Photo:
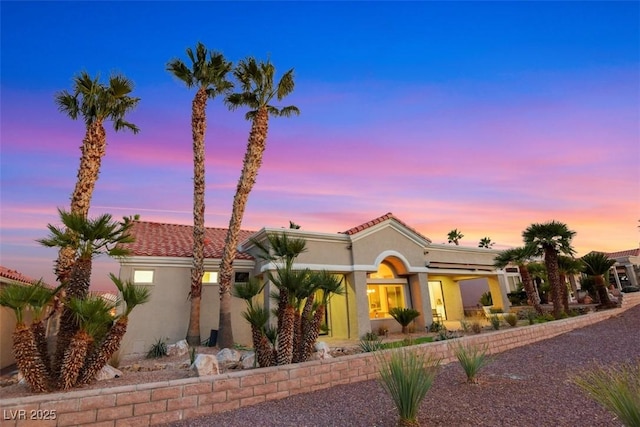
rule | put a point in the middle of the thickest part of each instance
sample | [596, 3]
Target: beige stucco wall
[367, 249]
[166, 315]
[7, 326]
[457, 254]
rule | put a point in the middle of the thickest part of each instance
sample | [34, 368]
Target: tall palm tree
[520, 257]
[596, 265]
[550, 239]
[131, 297]
[258, 89]
[89, 238]
[208, 74]
[454, 236]
[96, 103]
[485, 242]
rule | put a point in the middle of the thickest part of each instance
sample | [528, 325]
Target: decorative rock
[322, 351]
[178, 349]
[206, 364]
[227, 356]
[108, 372]
[248, 360]
[322, 346]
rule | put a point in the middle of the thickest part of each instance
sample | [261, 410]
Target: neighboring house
[7, 316]
[384, 263]
[626, 270]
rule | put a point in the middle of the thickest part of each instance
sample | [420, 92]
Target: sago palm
[258, 89]
[95, 103]
[596, 265]
[207, 73]
[131, 296]
[550, 239]
[520, 257]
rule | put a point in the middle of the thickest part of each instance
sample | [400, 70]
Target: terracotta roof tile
[176, 240]
[628, 252]
[16, 276]
[378, 220]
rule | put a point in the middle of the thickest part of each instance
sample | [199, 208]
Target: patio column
[631, 274]
[420, 300]
[359, 279]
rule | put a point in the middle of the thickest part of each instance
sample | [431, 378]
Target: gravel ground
[528, 386]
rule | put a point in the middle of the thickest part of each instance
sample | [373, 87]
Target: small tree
[485, 242]
[596, 265]
[404, 316]
[454, 236]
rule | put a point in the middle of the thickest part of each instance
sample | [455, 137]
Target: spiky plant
[93, 316]
[25, 350]
[258, 318]
[404, 316]
[617, 388]
[472, 359]
[131, 296]
[407, 377]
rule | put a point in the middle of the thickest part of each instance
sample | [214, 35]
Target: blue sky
[480, 116]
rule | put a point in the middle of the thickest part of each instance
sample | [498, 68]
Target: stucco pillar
[502, 282]
[616, 277]
[631, 274]
[420, 300]
[359, 279]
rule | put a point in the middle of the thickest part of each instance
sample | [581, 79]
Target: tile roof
[15, 276]
[175, 240]
[628, 252]
[378, 220]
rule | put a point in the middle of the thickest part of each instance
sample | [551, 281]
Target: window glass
[143, 276]
[383, 298]
[210, 277]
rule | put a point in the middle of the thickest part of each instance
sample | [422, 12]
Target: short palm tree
[88, 238]
[596, 265]
[520, 257]
[454, 236]
[131, 296]
[26, 349]
[96, 103]
[208, 74]
[258, 89]
[550, 239]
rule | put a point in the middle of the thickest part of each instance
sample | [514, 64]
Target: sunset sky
[485, 117]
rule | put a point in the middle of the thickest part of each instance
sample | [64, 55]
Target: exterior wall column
[631, 274]
[502, 281]
[359, 279]
[420, 300]
[615, 275]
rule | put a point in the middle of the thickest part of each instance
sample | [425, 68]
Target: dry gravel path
[528, 386]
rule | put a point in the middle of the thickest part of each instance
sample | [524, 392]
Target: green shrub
[159, 349]
[436, 326]
[486, 299]
[404, 316]
[407, 377]
[472, 359]
[445, 334]
[495, 322]
[511, 319]
[476, 327]
[531, 316]
[466, 326]
[496, 310]
[370, 342]
[547, 317]
[616, 388]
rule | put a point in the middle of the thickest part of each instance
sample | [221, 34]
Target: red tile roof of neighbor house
[175, 240]
[16, 276]
[628, 252]
[378, 220]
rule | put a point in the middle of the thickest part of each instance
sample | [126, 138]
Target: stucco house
[626, 270]
[383, 263]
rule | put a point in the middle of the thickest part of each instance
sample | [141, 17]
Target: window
[210, 277]
[241, 277]
[382, 298]
[143, 276]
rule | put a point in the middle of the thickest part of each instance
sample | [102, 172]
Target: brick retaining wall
[167, 401]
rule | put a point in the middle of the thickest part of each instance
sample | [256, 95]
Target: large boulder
[228, 356]
[206, 364]
[248, 360]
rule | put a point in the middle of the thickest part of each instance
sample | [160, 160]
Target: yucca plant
[404, 316]
[472, 359]
[407, 377]
[158, 349]
[617, 388]
[370, 342]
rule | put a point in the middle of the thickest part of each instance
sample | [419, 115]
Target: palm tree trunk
[28, 359]
[100, 355]
[74, 359]
[198, 129]
[93, 149]
[285, 337]
[529, 288]
[262, 347]
[40, 338]
[564, 291]
[250, 167]
[551, 262]
[603, 295]
[313, 332]
[306, 324]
